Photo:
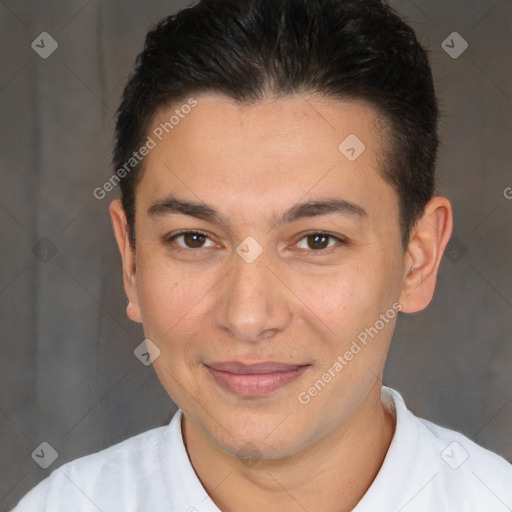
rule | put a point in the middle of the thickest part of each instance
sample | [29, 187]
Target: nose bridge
[252, 305]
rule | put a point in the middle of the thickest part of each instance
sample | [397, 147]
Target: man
[276, 161]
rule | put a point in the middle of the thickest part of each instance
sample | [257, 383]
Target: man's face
[215, 306]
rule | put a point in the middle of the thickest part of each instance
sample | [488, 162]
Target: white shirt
[427, 468]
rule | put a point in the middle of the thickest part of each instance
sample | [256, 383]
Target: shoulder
[477, 470]
[457, 449]
[457, 473]
[90, 480]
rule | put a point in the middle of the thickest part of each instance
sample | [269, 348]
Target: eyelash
[169, 239]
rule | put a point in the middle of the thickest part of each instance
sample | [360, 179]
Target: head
[298, 138]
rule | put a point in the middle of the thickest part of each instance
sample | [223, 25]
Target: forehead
[296, 125]
[267, 151]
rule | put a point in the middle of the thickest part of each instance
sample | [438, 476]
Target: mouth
[254, 380]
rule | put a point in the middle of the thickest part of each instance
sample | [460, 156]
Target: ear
[121, 232]
[427, 243]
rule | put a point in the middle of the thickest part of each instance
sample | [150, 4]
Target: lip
[254, 380]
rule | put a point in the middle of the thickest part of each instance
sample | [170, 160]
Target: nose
[253, 304]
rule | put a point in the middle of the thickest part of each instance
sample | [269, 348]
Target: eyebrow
[173, 205]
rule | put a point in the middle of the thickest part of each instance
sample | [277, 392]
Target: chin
[259, 438]
[253, 449]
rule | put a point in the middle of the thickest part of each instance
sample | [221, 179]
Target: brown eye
[194, 240]
[319, 241]
[189, 240]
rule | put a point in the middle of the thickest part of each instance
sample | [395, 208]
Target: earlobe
[133, 313]
[121, 233]
[427, 244]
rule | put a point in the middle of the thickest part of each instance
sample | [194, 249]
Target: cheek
[345, 302]
[335, 303]
[169, 299]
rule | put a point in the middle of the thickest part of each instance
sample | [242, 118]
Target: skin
[302, 301]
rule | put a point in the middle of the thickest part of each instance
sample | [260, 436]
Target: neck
[331, 475]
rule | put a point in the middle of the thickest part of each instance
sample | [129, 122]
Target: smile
[254, 380]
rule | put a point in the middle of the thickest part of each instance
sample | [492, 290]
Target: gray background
[68, 375]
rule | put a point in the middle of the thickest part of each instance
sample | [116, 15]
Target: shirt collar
[186, 492]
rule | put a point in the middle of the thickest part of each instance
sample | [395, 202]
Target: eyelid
[172, 237]
[167, 239]
[339, 238]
